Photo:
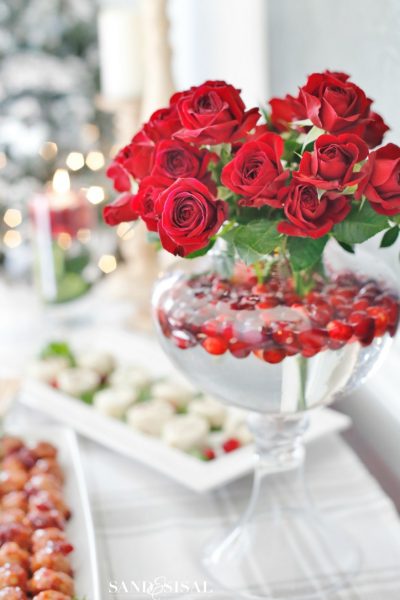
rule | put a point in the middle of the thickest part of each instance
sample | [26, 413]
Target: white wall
[221, 39]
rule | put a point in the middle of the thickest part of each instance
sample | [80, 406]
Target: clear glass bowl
[277, 353]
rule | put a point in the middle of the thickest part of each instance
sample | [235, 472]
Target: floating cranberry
[259, 288]
[239, 349]
[337, 330]
[268, 301]
[231, 444]
[183, 339]
[360, 304]
[381, 319]
[273, 356]
[215, 345]
[392, 307]
[312, 341]
[364, 327]
[320, 313]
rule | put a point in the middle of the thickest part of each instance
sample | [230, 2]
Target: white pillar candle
[120, 49]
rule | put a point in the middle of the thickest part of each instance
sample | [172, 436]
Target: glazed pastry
[114, 401]
[16, 532]
[47, 579]
[12, 480]
[48, 500]
[15, 500]
[133, 377]
[210, 409]
[11, 553]
[51, 595]
[76, 382]
[150, 417]
[12, 515]
[46, 558]
[42, 482]
[22, 458]
[51, 538]
[45, 450]
[49, 466]
[101, 362]
[47, 370]
[186, 432]
[176, 393]
[42, 519]
[13, 575]
[13, 593]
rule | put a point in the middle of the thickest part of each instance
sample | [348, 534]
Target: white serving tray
[80, 530]
[184, 468]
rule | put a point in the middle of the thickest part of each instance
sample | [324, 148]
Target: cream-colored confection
[235, 426]
[210, 409]
[76, 381]
[176, 393]
[150, 417]
[48, 369]
[135, 377]
[101, 362]
[186, 432]
[114, 401]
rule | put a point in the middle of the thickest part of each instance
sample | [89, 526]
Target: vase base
[283, 555]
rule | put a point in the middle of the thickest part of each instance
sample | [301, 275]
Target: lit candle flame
[61, 181]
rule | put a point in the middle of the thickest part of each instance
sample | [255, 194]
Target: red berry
[267, 302]
[183, 339]
[231, 445]
[360, 305]
[215, 345]
[259, 288]
[283, 335]
[208, 454]
[338, 330]
[381, 319]
[239, 349]
[364, 327]
[274, 356]
[312, 341]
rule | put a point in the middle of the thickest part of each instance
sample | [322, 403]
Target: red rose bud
[375, 129]
[190, 216]
[285, 110]
[121, 210]
[174, 159]
[335, 104]
[231, 444]
[381, 182]
[256, 172]
[310, 216]
[134, 160]
[331, 165]
[213, 113]
[162, 124]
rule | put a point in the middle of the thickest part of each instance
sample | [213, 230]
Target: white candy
[47, 370]
[113, 402]
[210, 409]
[236, 427]
[101, 362]
[77, 381]
[185, 432]
[176, 393]
[135, 377]
[150, 417]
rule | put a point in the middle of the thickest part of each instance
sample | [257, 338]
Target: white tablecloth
[149, 528]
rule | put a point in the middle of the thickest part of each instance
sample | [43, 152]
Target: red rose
[190, 216]
[144, 202]
[310, 216]
[375, 129]
[121, 210]
[134, 160]
[381, 183]
[330, 166]
[285, 110]
[162, 124]
[175, 159]
[335, 104]
[214, 113]
[256, 172]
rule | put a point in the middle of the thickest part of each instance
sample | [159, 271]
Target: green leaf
[346, 247]
[254, 240]
[202, 251]
[361, 224]
[58, 349]
[312, 135]
[305, 252]
[390, 237]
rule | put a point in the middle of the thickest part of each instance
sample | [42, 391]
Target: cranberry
[239, 349]
[259, 288]
[312, 341]
[320, 313]
[208, 454]
[283, 334]
[183, 339]
[268, 302]
[337, 330]
[364, 327]
[381, 319]
[360, 304]
[231, 444]
[392, 308]
[273, 356]
[215, 345]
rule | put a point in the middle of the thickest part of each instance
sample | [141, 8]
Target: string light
[12, 238]
[95, 194]
[95, 160]
[75, 161]
[3, 160]
[12, 217]
[125, 231]
[61, 181]
[84, 235]
[107, 263]
[48, 151]
[64, 240]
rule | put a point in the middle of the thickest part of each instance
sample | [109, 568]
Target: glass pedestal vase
[282, 548]
[279, 349]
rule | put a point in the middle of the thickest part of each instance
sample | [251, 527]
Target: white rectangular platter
[184, 468]
[80, 530]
